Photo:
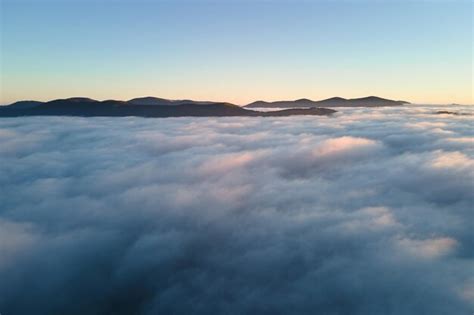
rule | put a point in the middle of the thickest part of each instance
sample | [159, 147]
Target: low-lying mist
[367, 212]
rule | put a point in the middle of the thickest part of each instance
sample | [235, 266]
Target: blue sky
[237, 51]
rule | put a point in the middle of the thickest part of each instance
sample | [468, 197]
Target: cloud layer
[368, 212]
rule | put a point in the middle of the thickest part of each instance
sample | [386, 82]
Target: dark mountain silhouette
[370, 101]
[25, 104]
[86, 107]
[150, 100]
[448, 112]
[80, 100]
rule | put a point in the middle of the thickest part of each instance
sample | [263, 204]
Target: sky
[237, 51]
[367, 212]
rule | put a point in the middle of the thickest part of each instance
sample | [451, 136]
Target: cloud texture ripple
[368, 212]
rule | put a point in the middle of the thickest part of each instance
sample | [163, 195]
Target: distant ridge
[150, 106]
[25, 104]
[143, 107]
[153, 101]
[369, 101]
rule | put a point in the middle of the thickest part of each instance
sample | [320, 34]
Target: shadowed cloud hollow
[368, 212]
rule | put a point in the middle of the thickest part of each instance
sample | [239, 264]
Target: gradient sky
[237, 51]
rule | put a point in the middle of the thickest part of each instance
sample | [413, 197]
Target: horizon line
[238, 104]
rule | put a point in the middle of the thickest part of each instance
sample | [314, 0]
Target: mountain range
[143, 107]
[160, 107]
[370, 101]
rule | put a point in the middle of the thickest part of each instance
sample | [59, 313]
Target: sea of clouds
[367, 212]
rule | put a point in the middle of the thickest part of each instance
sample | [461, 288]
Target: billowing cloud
[429, 248]
[367, 212]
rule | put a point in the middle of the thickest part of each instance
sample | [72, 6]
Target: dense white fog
[367, 212]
